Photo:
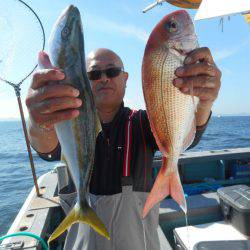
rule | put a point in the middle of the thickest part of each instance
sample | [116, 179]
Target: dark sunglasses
[110, 73]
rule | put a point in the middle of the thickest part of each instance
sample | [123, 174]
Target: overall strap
[127, 149]
[145, 154]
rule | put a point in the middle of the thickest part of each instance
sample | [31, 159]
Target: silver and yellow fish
[77, 137]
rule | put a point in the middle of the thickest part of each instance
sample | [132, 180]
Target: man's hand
[49, 103]
[200, 74]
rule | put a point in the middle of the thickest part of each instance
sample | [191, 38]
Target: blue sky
[122, 27]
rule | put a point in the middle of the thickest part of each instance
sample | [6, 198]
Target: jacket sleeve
[199, 132]
[54, 155]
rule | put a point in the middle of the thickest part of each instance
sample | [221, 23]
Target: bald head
[102, 58]
[108, 90]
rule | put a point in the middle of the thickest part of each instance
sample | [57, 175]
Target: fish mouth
[181, 51]
[70, 9]
[184, 46]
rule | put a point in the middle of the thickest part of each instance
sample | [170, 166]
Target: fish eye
[171, 26]
[65, 32]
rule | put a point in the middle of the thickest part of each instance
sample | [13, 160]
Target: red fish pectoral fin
[165, 185]
[190, 136]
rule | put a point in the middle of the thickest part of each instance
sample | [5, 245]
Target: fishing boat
[202, 173]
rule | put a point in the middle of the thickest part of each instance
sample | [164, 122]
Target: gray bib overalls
[121, 213]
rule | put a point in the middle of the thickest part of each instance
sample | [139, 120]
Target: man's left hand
[200, 73]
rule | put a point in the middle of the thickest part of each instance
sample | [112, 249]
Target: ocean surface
[16, 178]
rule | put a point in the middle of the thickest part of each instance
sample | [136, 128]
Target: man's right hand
[48, 103]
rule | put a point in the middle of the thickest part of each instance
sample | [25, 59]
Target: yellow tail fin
[77, 215]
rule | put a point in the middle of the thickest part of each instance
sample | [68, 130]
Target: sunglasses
[110, 73]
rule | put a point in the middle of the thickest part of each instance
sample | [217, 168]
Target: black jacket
[107, 171]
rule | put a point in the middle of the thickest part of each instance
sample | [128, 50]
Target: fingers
[43, 77]
[53, 100]
[198, 62]
[202, 81]
[200, 74]
[44, 60]
[51, 91]
[204, 94]
[53, 110]
[53, 118]
[57, 104]
[47, 72]
[47, 101]
[205, 87]
[200, 54]
[202, 68]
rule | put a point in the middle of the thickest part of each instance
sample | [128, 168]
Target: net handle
[18, 95]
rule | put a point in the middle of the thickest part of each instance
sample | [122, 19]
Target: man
[118, 186]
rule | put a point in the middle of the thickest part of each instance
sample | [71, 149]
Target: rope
[43, 243]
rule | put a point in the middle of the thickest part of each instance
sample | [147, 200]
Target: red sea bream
[171, 113]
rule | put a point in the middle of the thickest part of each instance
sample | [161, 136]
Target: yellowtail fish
[171, 113]
[77, 137]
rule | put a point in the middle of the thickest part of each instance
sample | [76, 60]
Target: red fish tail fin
[160, 189]
[176, 191]
[165, 184]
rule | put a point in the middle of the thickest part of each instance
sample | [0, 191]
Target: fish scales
[162, 67]
[170, 112]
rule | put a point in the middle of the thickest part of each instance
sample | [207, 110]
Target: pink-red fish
[171, 113]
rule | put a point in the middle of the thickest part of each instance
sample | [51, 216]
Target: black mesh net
[21, 38]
